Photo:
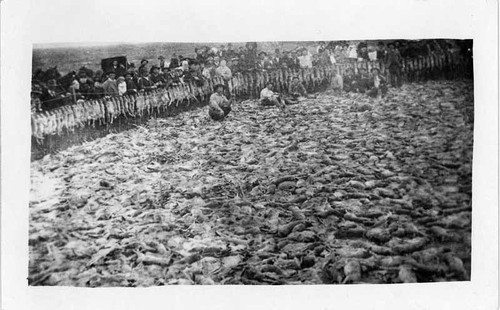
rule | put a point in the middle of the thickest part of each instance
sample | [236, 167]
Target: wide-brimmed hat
[144, 60]
[161, 57]
[36, 89]
[110, 72]
[219, 85]
[131, 65]
[262, 53]
[375, 68]
[120, 78]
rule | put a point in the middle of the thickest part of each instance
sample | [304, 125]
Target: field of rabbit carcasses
[338, 189]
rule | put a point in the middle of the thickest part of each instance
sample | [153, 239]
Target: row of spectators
[225, 61]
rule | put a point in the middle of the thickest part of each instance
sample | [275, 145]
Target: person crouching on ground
[269, 98]
[378, 84]
[363, 81]
[349, 80]
[296, 90]
[219, 106]
[337, 82]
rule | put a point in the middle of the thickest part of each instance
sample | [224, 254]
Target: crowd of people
[226, 60]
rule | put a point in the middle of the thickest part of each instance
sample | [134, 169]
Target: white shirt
[266, 93]
[122, 88]
[332, 58]
[352, 52]
[225, 72]
[217, 101]
[372, 55]
[305, 61]
[206, 73]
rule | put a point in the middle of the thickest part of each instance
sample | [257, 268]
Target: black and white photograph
[331, 162]
[327, 161]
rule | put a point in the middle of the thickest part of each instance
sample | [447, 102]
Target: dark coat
[174, 63]
[131, 86]
[156, 79]
[144, 84]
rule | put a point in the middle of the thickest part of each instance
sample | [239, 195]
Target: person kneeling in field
[337, 82]
[378, 84]
[269, 98]
[296, 90]
[219, 106]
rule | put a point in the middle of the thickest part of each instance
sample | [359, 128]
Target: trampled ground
[338, 189]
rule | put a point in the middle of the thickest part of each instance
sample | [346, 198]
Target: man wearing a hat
[269, 98]
[133, 72]
[362, 51]
[86, 84]
[174, 62]
[51, 94]
[235, 65]
[130, 84]
[144, 65]
[110, 86]
[285, 60]
[305, 59]
[296, 88]
[155, 77]
[337, 82]
[349, 80]
[162, 62]
[251, 54]
[264, 63]
[230, 53]
[201, 56]
[119, 69]
[393, 62]
[362, 80]
[381, 51]
[194, 75]
[36, 103]
[224, 71]
[144, 83]
[378, 85]
[294, 62]
[219, 106]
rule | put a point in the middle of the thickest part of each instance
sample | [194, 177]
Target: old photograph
[253, 163]
[248, 155]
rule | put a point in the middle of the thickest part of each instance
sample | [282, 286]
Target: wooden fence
[86, 120]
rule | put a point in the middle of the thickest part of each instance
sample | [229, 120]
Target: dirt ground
[336, 189]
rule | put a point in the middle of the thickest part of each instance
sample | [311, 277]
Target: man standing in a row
[110, 86]
[393, 63]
